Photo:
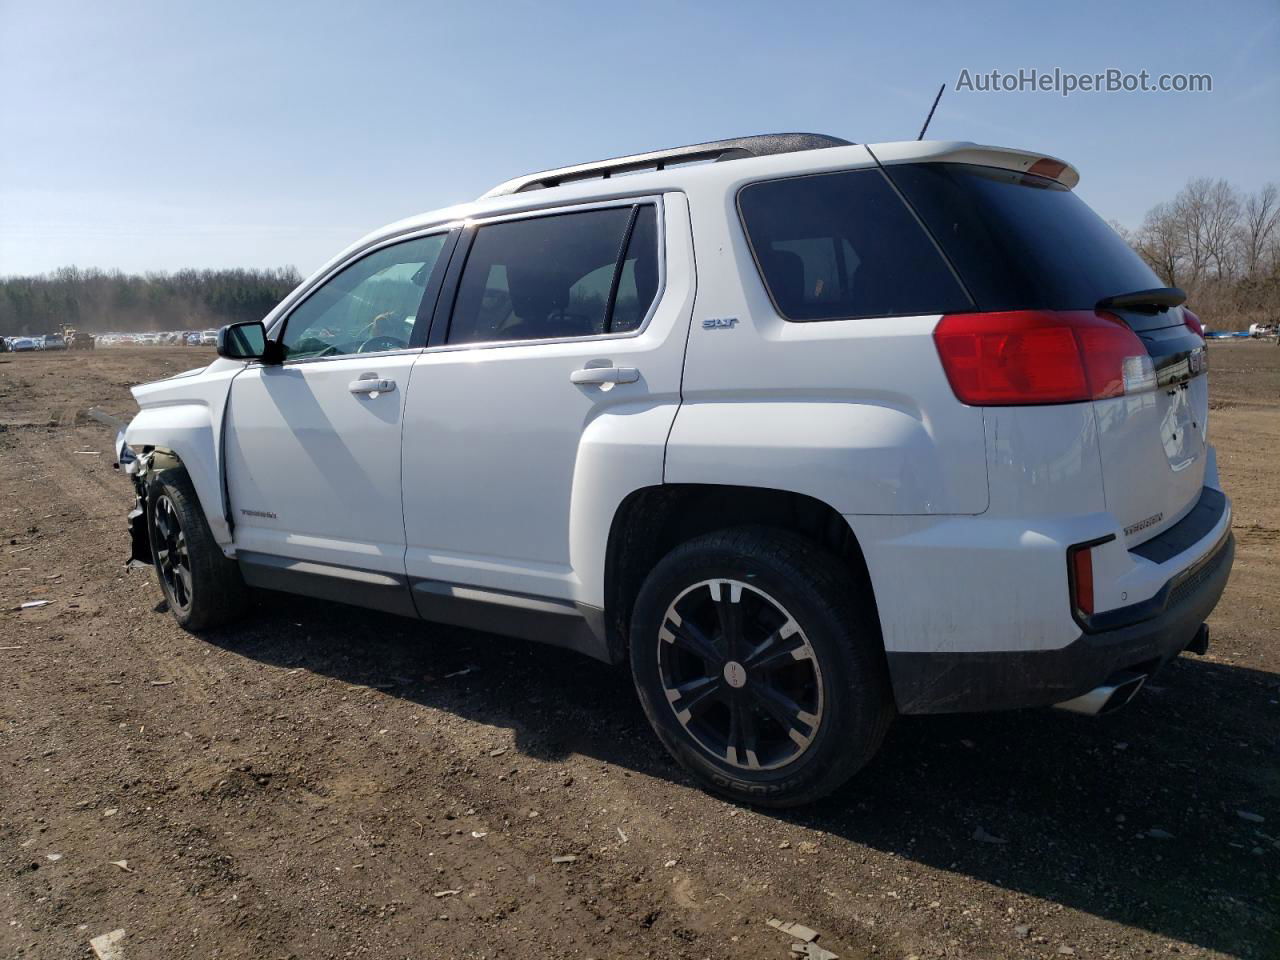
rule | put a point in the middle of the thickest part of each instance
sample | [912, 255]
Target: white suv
[811, 436]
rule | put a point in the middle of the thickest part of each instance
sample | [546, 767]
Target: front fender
[187, 432]
[184, 416]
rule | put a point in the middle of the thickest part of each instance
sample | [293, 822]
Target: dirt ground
[323, 782]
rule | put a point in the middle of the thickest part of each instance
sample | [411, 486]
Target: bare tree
[1161, 242]
[1258, 227]
[1208, 212]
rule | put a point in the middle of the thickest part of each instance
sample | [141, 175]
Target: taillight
[1047, 167]
[1080, 563]
[1193, 323]
[1028, 357]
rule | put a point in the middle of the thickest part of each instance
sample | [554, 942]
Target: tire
[202, 586]
[775, 725]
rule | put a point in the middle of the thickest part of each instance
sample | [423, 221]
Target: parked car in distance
[209, 338]
[25, 344]
[54, 341]
[931, 438]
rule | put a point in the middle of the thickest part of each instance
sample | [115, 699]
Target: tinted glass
[541, 278]
[843, 245]
[1021, 242]
[368, 307]
[638, 282]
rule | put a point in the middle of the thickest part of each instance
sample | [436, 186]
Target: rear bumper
[946, 682]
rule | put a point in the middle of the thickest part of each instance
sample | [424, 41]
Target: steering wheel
[375, 344]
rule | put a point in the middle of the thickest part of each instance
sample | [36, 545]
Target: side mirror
[243, 341]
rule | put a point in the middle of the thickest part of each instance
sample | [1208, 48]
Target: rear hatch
[1021, 242]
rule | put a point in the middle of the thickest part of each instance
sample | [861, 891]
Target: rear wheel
[759, 664]
[202, 586]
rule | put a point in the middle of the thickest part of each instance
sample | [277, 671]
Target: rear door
[556, 352]
[1024, 242]
[313, 443]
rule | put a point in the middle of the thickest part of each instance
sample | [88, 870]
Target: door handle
[371, 384]
[605, 375]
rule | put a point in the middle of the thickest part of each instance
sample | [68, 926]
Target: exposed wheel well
[651, 522]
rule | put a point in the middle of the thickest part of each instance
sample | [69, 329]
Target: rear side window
[1021, 242]
[842, 245]
[553, 277]
[638, 279]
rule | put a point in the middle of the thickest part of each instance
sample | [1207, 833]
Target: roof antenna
[931, 109]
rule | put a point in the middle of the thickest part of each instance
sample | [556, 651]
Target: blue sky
[161, 135]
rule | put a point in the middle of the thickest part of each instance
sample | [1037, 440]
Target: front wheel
[758, 661]
[202, 587]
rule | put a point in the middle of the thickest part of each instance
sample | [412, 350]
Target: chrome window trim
[400, 351]
[276, 330]
[660, 229]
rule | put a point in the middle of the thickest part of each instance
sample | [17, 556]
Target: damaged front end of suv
[140, 467]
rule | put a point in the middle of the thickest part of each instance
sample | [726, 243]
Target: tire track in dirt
[312, 776]
[488, 892]
[103, 505]
[82, 486]
[72, 491]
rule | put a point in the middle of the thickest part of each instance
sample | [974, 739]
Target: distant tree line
[99, 301]
[1220, 245]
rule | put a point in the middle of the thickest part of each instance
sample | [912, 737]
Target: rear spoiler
[959, 151]
[1154, 300]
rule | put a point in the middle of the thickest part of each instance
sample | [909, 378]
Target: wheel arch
[651, 521]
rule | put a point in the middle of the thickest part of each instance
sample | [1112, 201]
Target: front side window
[367, 307]
[565, 275]
[841, 245]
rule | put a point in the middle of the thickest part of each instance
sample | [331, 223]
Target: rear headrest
[536, 293]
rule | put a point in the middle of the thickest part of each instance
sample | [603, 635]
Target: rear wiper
[1148, 301]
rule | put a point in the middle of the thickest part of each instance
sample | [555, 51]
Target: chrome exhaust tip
[1112, 695]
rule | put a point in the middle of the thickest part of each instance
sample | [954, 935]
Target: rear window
[1021, 242]
[843, 245]
[578, 274]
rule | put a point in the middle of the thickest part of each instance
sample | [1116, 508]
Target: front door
[313, 443]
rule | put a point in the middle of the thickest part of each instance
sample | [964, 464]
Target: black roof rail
[758, 146]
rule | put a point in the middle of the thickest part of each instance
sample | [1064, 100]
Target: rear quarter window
[843, 246]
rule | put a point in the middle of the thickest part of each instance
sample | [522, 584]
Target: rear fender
[861, 457]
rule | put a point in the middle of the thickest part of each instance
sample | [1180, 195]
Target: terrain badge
[1151, 521]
